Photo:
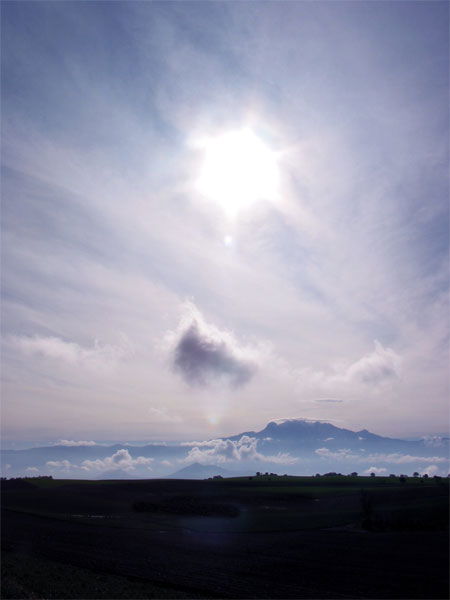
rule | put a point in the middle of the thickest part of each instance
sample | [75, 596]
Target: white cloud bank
[394, 458]
[221, 451]
[120, 460]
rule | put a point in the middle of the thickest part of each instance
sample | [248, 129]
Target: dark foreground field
[286, 537]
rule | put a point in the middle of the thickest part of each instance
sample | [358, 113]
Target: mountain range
[294, 446]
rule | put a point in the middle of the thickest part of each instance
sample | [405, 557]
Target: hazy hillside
[198, 471]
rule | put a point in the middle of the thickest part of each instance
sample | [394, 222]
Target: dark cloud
[205, 357]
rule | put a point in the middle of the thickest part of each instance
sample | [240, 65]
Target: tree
[372, 474]
[415, 474]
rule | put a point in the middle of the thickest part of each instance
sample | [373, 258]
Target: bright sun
[238, 169]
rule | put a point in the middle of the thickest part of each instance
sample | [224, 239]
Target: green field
[170, 538]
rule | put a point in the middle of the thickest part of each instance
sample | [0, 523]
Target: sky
[217, 214]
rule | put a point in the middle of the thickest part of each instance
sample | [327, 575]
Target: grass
[283, 543]
[264, 503]
[30, 577]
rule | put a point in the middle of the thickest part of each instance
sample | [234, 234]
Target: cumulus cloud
[221, 451]
[380, 365]
[70, 353]
[75, 443]
[65, 465]
[433, 441]
[32, 470]
[376, 470]
[430, 470]
[203, 354]
[120, 460]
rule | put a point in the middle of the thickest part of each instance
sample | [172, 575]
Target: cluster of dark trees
[267, 474]
[28, 477]
[333, 474]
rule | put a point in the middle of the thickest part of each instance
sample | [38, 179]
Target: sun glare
[238, 169]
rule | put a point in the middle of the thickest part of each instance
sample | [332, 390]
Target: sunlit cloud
[120, 460]
[224, 450]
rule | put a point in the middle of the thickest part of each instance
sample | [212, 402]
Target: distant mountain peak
[199, 471]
